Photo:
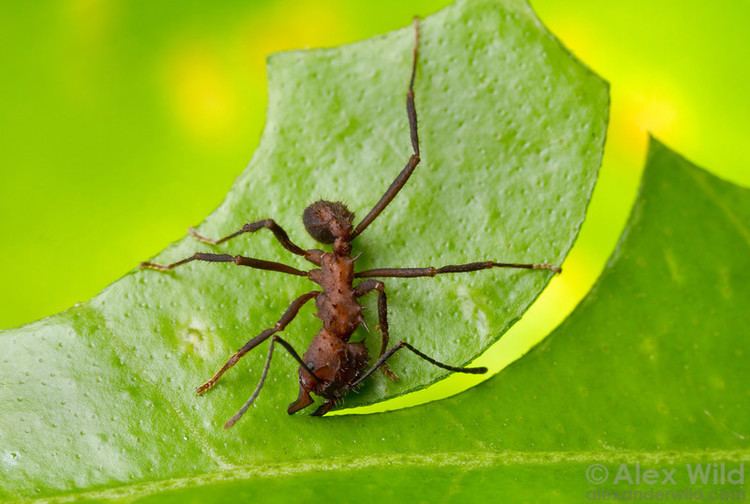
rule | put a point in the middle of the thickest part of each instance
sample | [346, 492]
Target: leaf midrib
[466, 460]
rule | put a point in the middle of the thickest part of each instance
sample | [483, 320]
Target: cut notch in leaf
[648, 370]
[512, 130]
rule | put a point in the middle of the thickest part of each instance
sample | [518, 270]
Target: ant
[332, 366]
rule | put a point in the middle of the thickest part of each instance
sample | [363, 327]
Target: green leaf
[649, 372]
[650, 369]
[512, 130]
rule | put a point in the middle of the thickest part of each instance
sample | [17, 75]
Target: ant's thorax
[337, 304]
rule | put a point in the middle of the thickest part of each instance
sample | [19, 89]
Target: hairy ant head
[327, 220]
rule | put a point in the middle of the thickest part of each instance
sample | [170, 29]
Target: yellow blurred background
[123, 123]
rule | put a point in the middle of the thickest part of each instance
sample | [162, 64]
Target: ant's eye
[311, 366]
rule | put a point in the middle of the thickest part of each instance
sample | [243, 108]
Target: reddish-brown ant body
[332, 365]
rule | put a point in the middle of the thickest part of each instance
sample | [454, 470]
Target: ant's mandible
[332, 366]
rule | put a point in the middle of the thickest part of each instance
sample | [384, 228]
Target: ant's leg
[238, 260]
[229, 423]
[403, 177]
[285, 319]
[451, 268]
[252, 227]
[276, 339]
[324, 408]
[369, 286]
[403, 344]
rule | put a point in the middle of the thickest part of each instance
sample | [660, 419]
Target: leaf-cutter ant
[332, 366]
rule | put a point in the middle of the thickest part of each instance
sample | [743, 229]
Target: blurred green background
[123, 123]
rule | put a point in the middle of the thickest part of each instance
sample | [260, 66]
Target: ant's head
[327, 220]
